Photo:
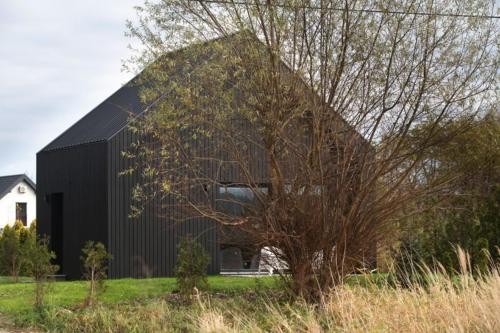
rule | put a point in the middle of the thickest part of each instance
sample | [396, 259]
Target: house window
[311, 190]
[234, 200]
[21, 213]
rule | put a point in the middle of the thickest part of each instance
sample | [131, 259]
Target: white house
[17, 200]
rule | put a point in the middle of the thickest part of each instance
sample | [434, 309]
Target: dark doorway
[231, 259]
[56, 228]
[22, 213]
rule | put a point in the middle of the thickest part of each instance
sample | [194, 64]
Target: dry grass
[446, 304]
[475, 308]
[441, 308]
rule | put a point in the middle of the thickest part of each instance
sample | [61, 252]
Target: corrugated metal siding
[147, 246]
[78, 173]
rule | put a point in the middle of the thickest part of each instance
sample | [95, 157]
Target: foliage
[314, 104]
[14, 243]
[192, 264]
[468, 214]
[94, 260]
[10, 252]
[40, 267]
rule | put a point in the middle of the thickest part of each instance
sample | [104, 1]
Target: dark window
[234, 200]
[21, 213]
[301, 190]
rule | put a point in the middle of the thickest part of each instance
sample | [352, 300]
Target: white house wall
[8, 204]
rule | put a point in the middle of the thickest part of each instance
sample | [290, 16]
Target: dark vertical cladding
[71, 197]
[147, 246]
[81, 195]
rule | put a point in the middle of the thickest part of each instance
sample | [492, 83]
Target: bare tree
[308, 106]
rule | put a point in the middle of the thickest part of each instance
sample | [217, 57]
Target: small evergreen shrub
[14, 243]
[191, 268]
[95, 264]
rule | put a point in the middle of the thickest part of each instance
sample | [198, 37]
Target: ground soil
[5, 327]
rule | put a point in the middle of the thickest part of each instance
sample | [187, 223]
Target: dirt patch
[6, 327]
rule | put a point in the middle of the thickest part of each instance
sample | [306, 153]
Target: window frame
[220, 202]
[22, 213]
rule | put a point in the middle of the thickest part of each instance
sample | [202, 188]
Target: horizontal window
[314, 189]
[234, 200]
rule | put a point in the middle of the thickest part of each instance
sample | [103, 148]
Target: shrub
[94, 260]
[191, 268]
[39, 267]
[466, 212]
[13, 249]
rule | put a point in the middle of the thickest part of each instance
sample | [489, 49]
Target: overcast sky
[58, 60]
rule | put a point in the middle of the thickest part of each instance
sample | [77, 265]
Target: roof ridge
[15, 180]
[85, 115]
[14, 175]
[67, 137]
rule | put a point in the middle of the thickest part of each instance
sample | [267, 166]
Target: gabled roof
[104, 121]
[112, 115]
[7, 183]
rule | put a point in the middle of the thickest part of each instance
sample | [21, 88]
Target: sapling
[95, 264]
[191, 268]
[39, 266]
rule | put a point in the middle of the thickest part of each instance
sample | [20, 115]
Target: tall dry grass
[442, 307]
[474, 307]
[445, 303]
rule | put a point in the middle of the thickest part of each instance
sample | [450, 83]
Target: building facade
[17, 200]
[83, 195]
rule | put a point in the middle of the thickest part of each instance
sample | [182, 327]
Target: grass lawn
[7, 279]
[17, 298]
[241, 304]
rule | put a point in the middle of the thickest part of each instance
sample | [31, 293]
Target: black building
[81, 196]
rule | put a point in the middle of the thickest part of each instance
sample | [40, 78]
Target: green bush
[14, 243]
[95, 264]
[466, 213]
[477, 233]
[191, 268]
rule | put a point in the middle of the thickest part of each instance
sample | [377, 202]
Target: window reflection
[314, 189]
[234, 200]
